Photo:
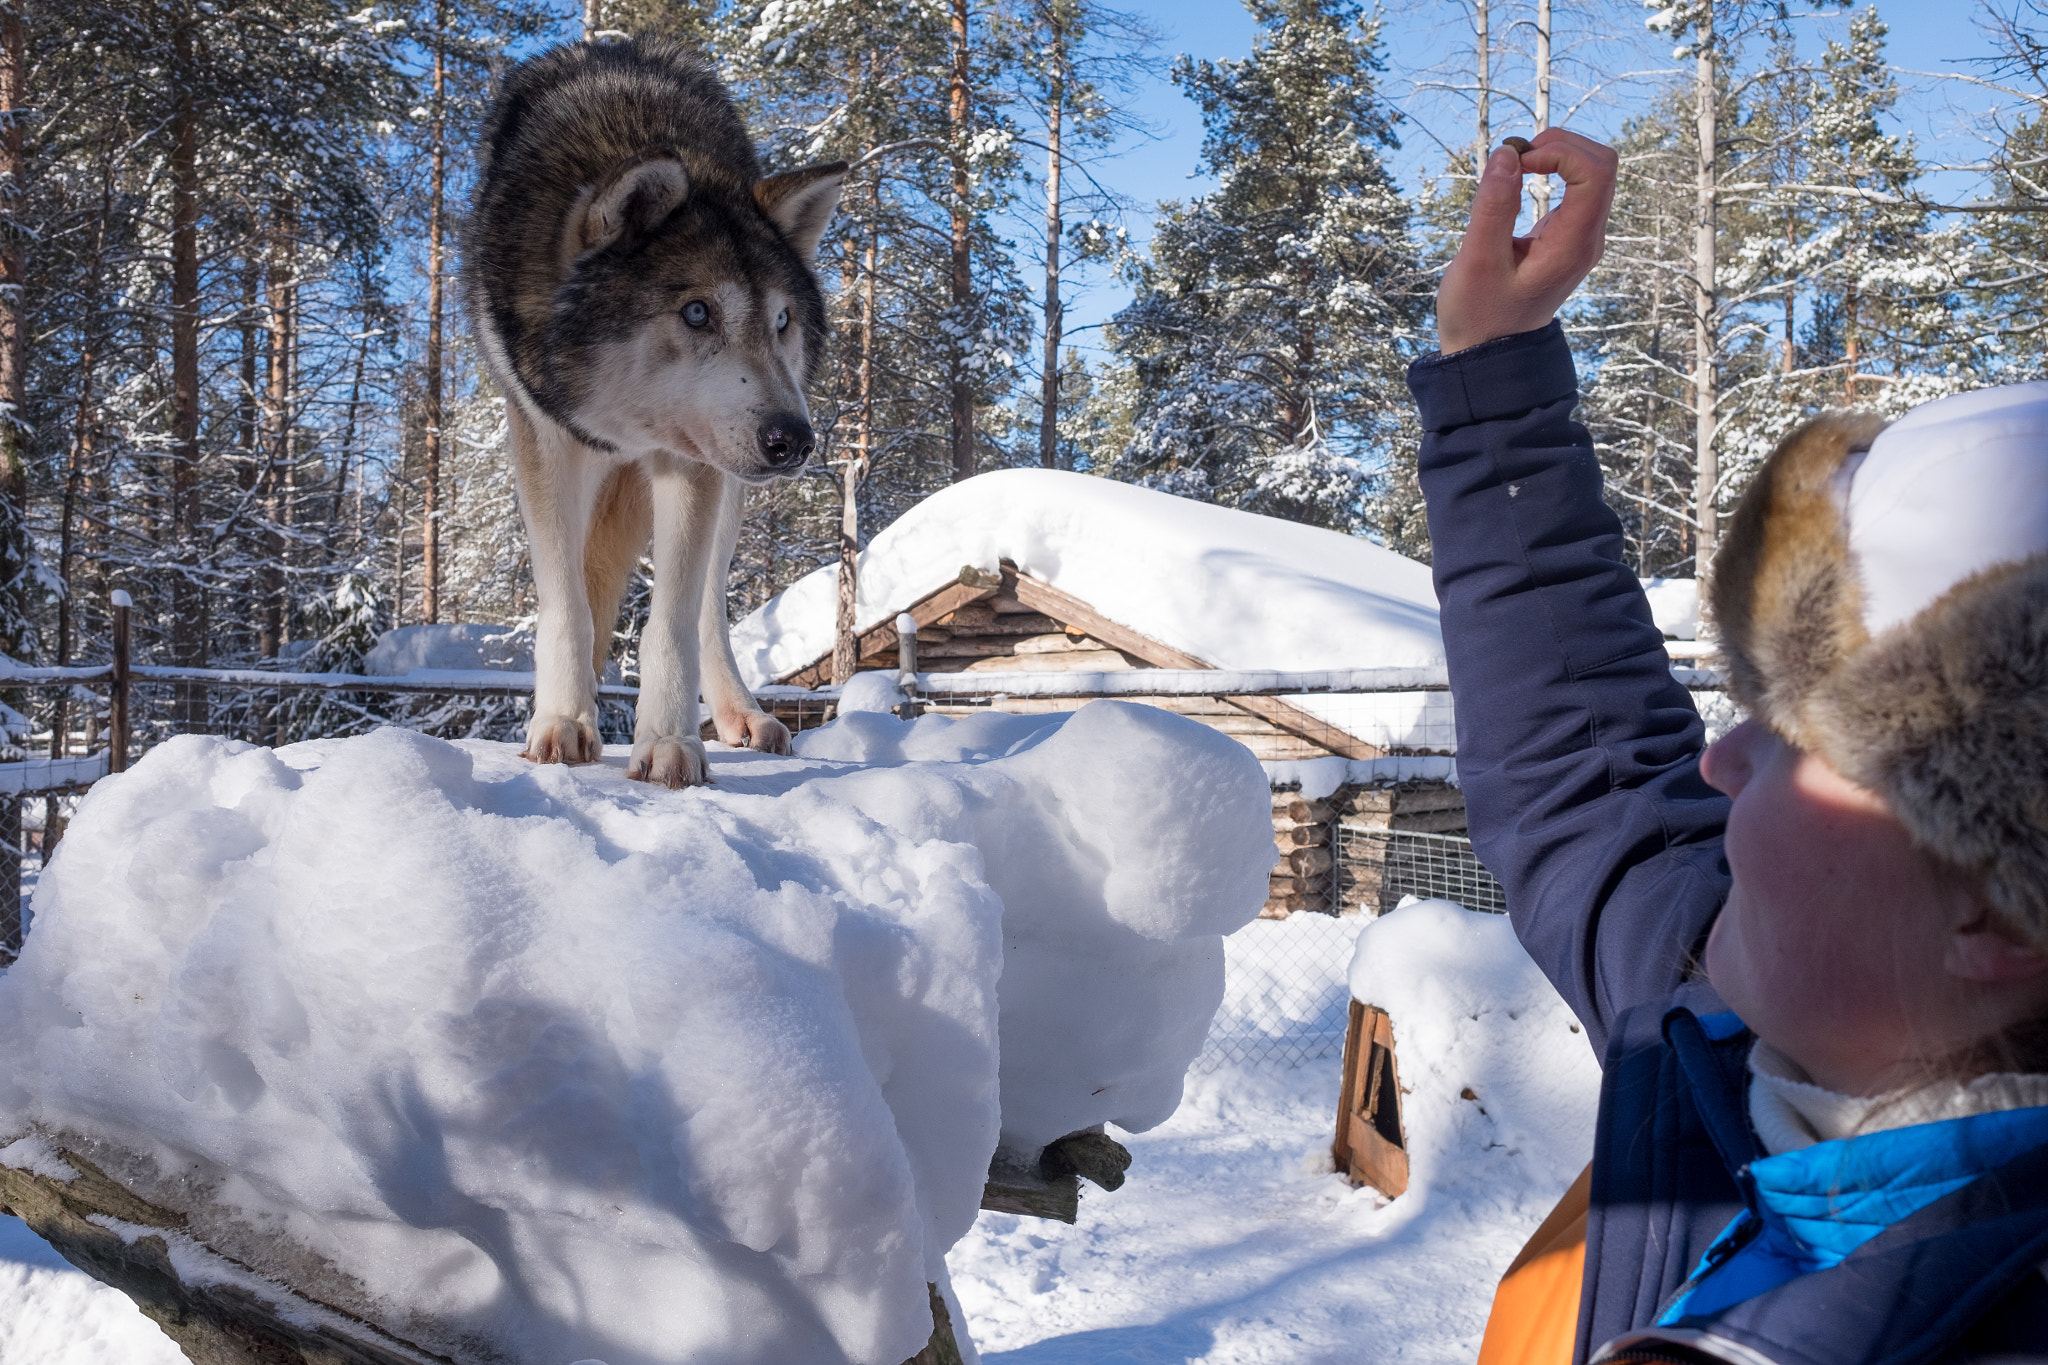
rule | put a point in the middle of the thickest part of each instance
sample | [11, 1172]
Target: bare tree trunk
[398, 554]
[188, 599]
[1483, 52]
[593, 18]
[1851, 305]
[248, 438]
[282, 288]
[1705, 329]
[348, 434]
[854, 470]
[430, 521]
[1644, 522]
[1539, 188]
[78, 456]
[1055, 308]
[14, 331]
[960, 115]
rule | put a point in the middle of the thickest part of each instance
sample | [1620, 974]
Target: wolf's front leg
[738, 718]
[558, 484]
[666, 746]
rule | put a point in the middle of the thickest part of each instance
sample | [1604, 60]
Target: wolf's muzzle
[785, 442]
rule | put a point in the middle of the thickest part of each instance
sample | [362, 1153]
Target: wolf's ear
[637, 197]
[800, 203]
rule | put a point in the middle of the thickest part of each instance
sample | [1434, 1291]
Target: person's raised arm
[1500, 284]
[1577, 749]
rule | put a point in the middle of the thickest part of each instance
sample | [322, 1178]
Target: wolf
[649, 304]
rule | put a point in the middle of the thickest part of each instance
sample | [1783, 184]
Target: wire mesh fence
[1410, 863]
[1286, 989]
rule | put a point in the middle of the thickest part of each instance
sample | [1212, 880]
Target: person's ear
[1984, 950]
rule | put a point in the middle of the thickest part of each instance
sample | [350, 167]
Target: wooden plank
[1420, 822]
[1069, 661]
[1016, 1185]
[1279, 746]
[1314, 729]
[972, 586]
[1340, 1147]
[1065, 607]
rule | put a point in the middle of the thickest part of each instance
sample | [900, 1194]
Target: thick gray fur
[566, 122]
[648, 304]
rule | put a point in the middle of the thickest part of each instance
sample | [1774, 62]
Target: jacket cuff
[1505, 377]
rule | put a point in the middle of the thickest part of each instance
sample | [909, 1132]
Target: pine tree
[1274, 316]
[1074, 63]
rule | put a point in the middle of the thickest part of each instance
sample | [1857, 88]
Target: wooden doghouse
[1371, 1147]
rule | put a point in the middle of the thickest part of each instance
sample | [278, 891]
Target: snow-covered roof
[1234, 589]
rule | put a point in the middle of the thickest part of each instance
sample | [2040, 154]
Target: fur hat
[1882, 601]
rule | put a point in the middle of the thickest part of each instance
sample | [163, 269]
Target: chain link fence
[1286, 992]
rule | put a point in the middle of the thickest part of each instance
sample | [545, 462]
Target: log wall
[1317, 869]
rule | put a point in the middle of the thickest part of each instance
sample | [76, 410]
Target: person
[1812, 956]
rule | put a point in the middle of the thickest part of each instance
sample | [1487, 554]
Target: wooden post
[906, 666]
[944, 1347]
[10, 877]
[117, 691]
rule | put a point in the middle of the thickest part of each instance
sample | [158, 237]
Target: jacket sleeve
[1577, 749]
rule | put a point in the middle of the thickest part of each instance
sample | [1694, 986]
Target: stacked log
[1424, 807]
[1301, 873]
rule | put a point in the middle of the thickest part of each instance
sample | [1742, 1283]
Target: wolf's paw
[562, 739]
[672, 760]
[754, 730]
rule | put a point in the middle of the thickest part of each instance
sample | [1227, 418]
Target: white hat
[1882, 601]
[1949, 490]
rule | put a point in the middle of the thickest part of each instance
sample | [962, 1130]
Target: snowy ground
[1231, 1242]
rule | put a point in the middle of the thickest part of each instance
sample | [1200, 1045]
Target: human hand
[1500, 284]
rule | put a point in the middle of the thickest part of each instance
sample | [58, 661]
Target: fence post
[906, 666]
[117, 691]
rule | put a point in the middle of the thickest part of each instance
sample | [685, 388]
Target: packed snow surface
[1231, 1242]
[1234, 589]
[541, 1065]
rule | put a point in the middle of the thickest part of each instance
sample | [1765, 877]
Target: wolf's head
[689, 317]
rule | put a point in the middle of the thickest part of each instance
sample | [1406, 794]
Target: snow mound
[536, 1064]
[1473, 1014]
[1674, 606]
[1235, 589]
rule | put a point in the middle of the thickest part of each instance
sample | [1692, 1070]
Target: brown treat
[1520, 144]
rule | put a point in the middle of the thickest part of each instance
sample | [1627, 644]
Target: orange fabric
[1535, 1319]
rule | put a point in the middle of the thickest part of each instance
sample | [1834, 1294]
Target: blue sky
[1926, 36]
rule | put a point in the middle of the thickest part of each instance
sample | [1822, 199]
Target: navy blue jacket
[1579, 756]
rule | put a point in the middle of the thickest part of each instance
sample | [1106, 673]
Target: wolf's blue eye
[695, 313]
[782, 321]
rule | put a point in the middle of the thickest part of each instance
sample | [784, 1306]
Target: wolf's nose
[785, 441]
